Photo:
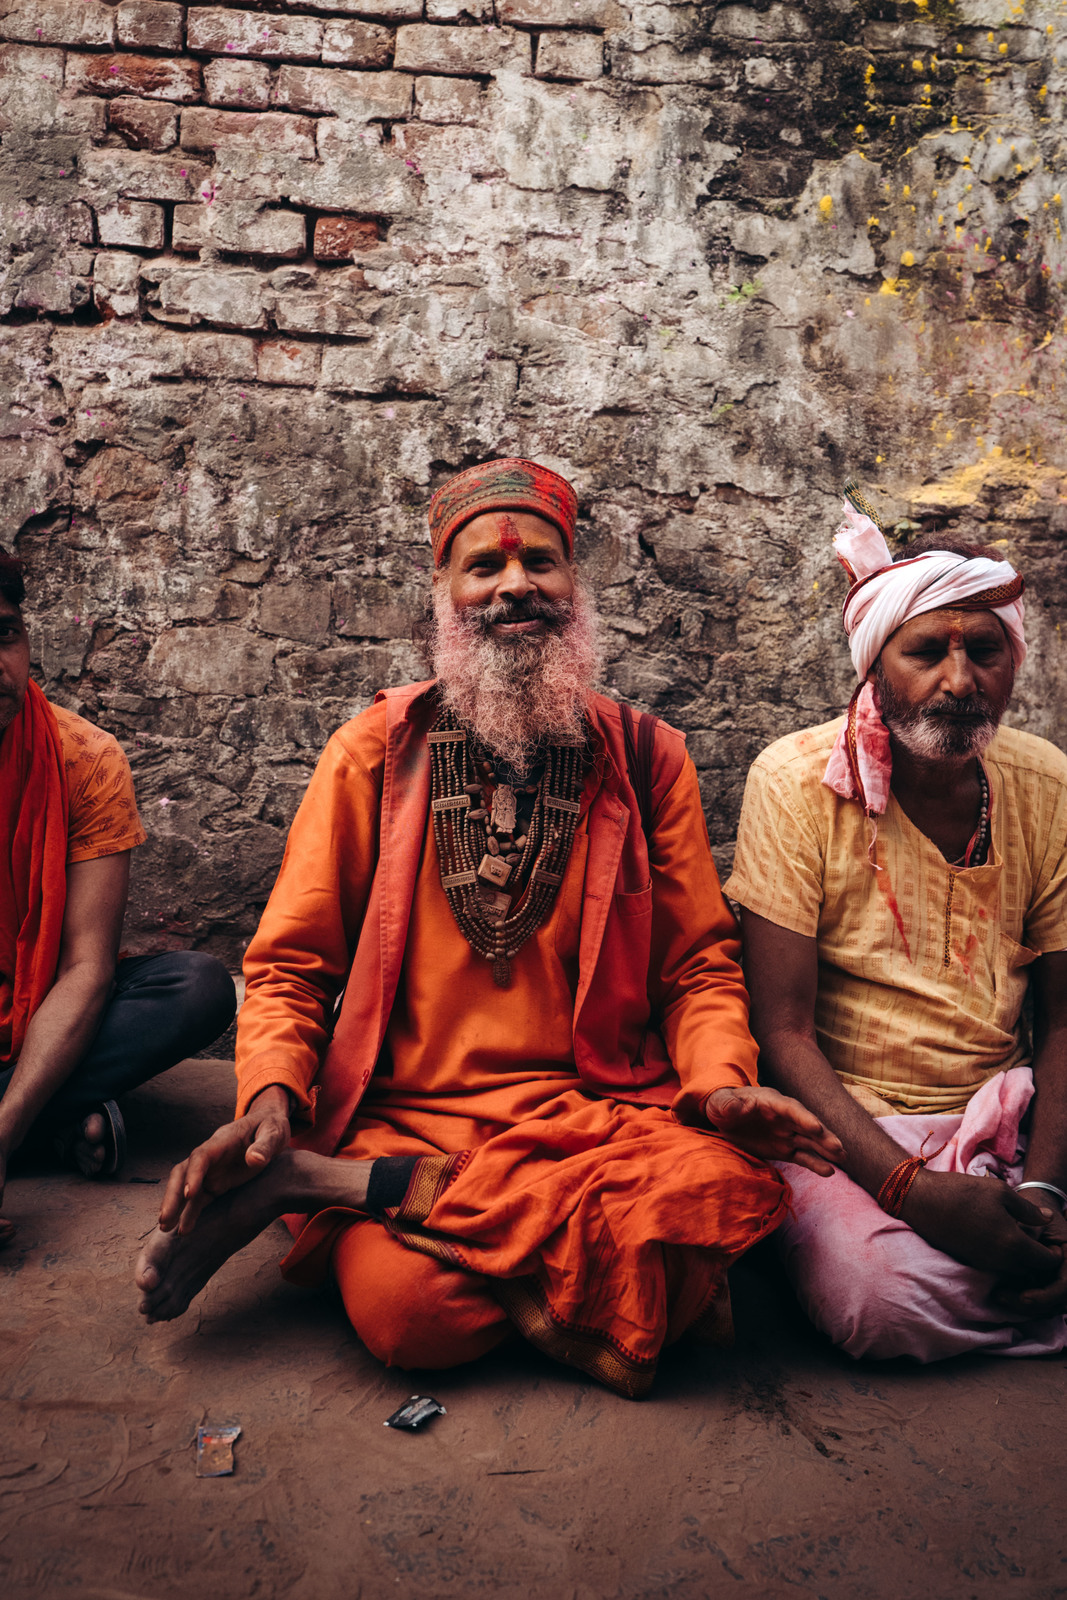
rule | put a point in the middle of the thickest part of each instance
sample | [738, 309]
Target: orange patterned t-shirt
[103, 819]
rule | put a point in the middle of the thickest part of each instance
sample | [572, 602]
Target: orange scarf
[33, 865]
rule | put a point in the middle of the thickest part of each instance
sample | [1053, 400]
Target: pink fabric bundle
[884, 595]
[879, 1290]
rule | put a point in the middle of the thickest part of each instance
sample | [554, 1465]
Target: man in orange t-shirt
[77, 1026]
[536, 1107]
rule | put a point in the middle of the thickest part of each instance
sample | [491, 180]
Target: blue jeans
[162, 1009]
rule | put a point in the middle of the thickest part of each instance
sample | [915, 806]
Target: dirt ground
[778, 1469]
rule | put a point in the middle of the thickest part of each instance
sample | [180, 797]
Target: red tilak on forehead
[509, 534]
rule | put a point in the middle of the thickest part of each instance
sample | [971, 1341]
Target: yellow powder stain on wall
[826, 205]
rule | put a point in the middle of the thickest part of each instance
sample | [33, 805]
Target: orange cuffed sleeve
[299, 957]
[695, 982]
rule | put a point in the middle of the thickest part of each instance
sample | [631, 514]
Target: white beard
[519, 695]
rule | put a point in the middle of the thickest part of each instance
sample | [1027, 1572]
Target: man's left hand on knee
[1043, 1299]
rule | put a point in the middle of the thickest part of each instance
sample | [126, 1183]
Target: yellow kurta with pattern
[922, 965]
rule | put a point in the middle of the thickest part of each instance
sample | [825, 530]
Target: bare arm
[1046, 1155]
[782, 972]
[63, 1026]
[697, 989]
[975, 1220]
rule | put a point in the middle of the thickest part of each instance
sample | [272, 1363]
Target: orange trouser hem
[409, 1309]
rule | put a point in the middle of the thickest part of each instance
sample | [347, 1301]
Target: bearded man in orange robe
[494, 1062]
[79, 1025]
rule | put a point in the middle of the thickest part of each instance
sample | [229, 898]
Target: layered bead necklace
[487, 854]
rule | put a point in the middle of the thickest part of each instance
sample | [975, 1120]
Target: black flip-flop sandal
[114, 1141]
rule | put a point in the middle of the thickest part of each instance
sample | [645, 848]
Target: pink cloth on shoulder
[870, 783]
[873, 1285]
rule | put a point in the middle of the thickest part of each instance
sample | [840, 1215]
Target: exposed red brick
[337, 237]
[151, 77]
[357, 44]
[144, 124]
[149, 24]
[76, 22]
[254, 33]
[275, 131]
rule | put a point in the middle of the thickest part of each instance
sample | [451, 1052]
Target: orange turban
[507, 485]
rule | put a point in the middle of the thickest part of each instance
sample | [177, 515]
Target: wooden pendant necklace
[485, 856]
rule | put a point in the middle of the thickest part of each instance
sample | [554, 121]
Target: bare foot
[7, 1231]
[90, 1152]
[173, 1267]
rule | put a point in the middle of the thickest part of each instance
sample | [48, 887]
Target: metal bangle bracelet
[1050, 1188]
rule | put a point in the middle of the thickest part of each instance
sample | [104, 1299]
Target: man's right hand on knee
[234, 1154]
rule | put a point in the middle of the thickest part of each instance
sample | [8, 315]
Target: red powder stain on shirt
[509, 534]
[965, 957]
[886, 888]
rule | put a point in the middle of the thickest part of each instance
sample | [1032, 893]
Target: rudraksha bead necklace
[476, 877]
[977, 856]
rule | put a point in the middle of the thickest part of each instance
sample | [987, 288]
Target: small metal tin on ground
[419, 1409]
[214, 1450]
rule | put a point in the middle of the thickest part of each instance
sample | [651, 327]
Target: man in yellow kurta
[903, 879]
[516, 1122]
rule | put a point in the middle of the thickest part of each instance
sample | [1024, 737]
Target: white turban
[886, 594]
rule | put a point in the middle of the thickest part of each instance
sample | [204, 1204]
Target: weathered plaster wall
[271, 271]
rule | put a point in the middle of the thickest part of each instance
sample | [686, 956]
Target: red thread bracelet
[895, 1189]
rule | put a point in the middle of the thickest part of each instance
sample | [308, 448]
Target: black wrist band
[388, 1182]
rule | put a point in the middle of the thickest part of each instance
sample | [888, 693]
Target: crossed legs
[408, 1309]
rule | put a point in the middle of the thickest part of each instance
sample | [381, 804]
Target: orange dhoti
[601, 1231]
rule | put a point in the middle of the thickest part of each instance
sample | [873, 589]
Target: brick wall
[271, 271]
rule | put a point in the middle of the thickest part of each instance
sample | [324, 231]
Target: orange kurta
[604, 1229]
[464, 1059]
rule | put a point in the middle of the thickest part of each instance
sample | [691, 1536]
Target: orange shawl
[33, 865]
